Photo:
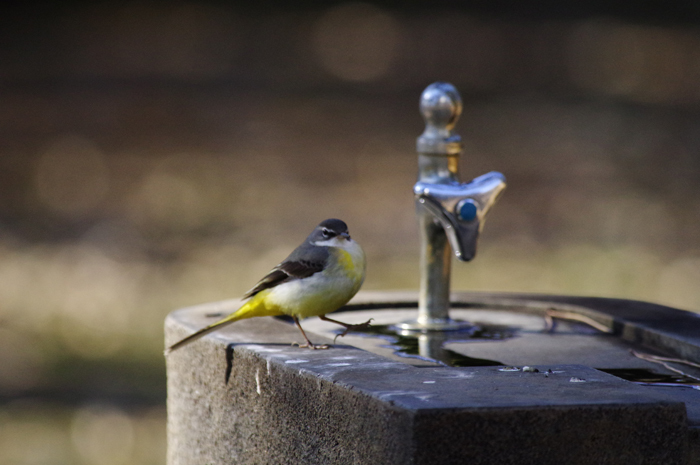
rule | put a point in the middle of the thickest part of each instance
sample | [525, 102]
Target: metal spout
[450, 214]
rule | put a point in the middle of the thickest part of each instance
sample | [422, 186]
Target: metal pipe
[438, 163]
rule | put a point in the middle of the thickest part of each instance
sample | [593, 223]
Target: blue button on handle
[467, 210]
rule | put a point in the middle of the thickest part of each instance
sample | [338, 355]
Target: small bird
[318, 277]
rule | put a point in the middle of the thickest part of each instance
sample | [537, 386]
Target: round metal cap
[441, 107]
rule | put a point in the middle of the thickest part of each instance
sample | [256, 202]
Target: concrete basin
[360, 402]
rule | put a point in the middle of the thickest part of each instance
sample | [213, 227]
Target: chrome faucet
[450, 214]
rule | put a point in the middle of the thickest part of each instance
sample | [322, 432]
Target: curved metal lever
[461, 208]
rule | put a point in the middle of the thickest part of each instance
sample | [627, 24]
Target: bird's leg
[308, 344]
[348, 327]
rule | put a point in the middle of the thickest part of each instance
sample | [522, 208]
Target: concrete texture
[283, 404]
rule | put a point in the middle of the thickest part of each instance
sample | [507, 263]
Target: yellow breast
[352, 264]
[326, 291]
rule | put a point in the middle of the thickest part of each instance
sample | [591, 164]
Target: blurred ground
[154, 157]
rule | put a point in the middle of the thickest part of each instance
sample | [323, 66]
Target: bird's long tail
[254, 307]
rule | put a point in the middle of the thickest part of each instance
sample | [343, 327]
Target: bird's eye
[327, 233]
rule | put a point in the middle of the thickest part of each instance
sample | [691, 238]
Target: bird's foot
[358, 327]
[311, 346]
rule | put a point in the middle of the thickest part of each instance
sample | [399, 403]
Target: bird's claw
[358, 327]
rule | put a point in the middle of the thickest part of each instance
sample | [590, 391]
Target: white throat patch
[334, 242]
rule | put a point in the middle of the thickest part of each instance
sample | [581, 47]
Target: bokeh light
[642, 63]
[357, 41]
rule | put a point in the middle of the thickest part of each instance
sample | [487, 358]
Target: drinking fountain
[450, 214]
[490, 378]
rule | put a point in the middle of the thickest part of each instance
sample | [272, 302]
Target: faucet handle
[461, 208]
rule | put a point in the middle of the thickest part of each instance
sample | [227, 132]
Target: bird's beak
[345, 235]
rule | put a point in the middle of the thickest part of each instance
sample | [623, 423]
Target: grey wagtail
[320, 276]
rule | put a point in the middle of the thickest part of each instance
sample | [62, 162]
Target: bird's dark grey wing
[293, 268]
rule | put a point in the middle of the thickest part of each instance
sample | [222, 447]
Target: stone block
[283, 404]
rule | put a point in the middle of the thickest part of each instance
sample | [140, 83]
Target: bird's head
[330, 233]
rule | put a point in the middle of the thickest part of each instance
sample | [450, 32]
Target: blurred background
[160, 155]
